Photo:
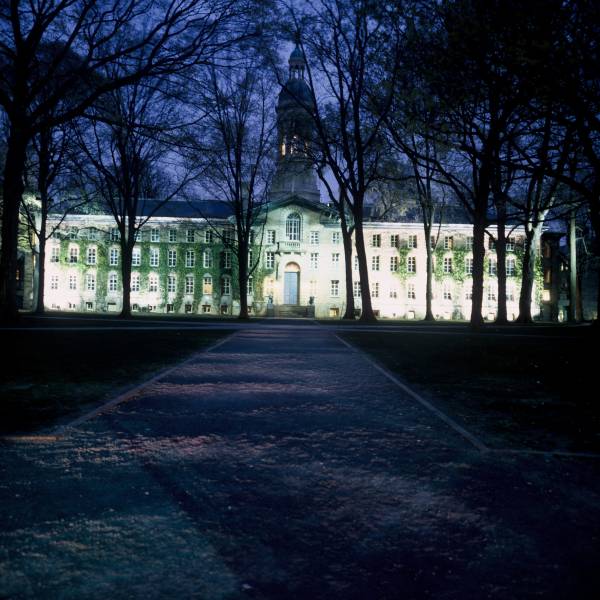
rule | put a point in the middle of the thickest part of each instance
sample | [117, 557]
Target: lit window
[335, 237]
[172, 258]
[375, 263]
[411, 264]
[375, 290]
[410, 291]
[189, 284]
[73, 254]
[55, 254]
[112, 282]
[171, 283]
[447, 264]
[335, 259]
[412, 241]
[190, 235]
[448, 242]
[393, 263]
[172, 235]
[90, 282]
[314, 260]
[376, 240]
[190, 258]
[113, 259]
[136, 257]
[73, 281]
[270, 236]
[335, 288]
[91, 256]
[155, 235]
[207, 259]
[135, 282]
[270, 260]
[153, 283]
[207, 285]
[292, 227]
[227, 259]
[154, 254]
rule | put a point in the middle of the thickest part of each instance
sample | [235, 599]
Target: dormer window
[292, 227]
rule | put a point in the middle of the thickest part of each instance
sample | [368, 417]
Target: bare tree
[53, 60]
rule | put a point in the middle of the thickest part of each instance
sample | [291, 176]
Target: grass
[47, 375]
[516, 391]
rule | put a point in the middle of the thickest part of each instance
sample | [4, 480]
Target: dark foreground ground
[283, 464]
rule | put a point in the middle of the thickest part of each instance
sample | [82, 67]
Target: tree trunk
[478, 267]
[501, 314]
[366, 315]
[41, 267]
[528, 275]
[243, 278]
[127, 244]
[13, 188]
[429, 265]
[347, 240]
[572, 316]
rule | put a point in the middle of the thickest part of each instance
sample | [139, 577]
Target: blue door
[290, 288]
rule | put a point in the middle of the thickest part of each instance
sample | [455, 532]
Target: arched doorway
[291, 284]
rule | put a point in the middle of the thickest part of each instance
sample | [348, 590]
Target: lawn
[514, 391]
[48, 374]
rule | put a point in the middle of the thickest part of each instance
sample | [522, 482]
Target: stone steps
[294, 311]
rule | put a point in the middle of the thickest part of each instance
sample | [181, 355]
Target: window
[412, 241]
[136, 257]
[153, 283]
[135, 282]
[394, 240]
[393, 264]
[73, 281]
[393, 292]
[270, 236]
[73, 233]
[208, 236]
[250, 289]
[113, 258]
[112, 282]
[447, 293]
[447, 264]
[54, 282]
[376, 240]
[375, 290]
[510, 293]
[190, 258]
[335, 259]
[356, 288]
[250, 258]
[227, 259]
[469, 242]
[270, 260]
[73, 254]
[491, 294]
[411, 264]
[511, 267]
[355, 262]
[189, 284]
[172, 235]
[228, 236]
[190, 235]
[410, 291]
[491, 243]
[375, 263]
[206, 309]
[314, 238]
[92, 235]
[138, 236]
[90, 282]
[55, 254]
[226, 286]
[155, 235]
[251, 237]
[91, 256]
[469, 266]
[448, 242]
[335, 237]
[432, 242]
[207, 259]
[172, 258]
[510, 244]
[154, 254]
[292, 227]
[314, 260]
[492, 266]
[335, 288]
[171, 284]
[207, 285]
[115, 236]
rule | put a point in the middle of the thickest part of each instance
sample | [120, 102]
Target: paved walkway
[284, 465]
